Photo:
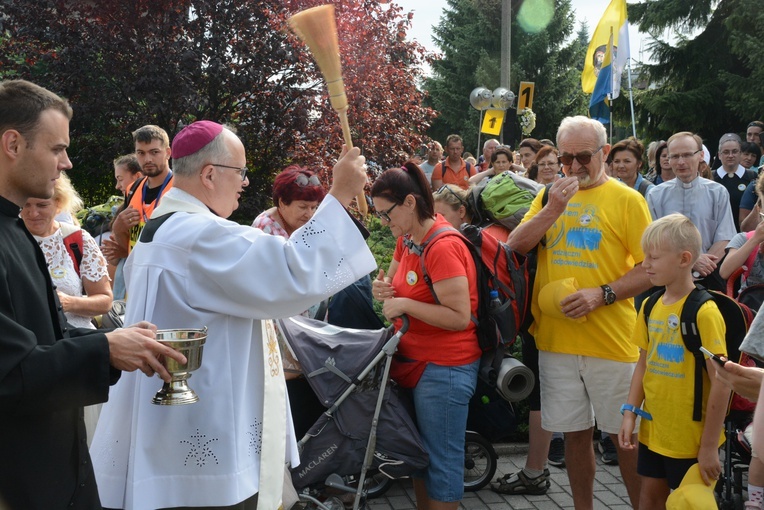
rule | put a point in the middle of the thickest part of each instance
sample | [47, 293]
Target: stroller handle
[404, 324]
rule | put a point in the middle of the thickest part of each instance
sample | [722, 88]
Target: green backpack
[504, 199]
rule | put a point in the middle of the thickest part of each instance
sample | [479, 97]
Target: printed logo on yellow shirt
[672, 321]
[411, 278]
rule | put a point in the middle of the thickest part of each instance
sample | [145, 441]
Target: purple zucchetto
[194, 137]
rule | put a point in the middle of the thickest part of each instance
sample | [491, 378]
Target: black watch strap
[608, 294]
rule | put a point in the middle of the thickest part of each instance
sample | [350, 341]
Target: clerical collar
[8, 208]
[688, 185]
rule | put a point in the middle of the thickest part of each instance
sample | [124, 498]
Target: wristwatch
[636, 410]
[608, 294]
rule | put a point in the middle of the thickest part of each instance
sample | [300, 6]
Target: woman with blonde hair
[75, 263]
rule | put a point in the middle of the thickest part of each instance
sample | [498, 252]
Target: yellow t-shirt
[669, 380]
[596, 240]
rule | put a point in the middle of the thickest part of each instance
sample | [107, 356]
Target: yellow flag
[612, 22]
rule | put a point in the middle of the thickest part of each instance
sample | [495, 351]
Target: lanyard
[156, 200]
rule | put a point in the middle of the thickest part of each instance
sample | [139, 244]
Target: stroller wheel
[480, 461]
[377, 484]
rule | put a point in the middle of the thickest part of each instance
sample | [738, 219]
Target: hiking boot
[607, 449]
[519, 483]
[556, 455]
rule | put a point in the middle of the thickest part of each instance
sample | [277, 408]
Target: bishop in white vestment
[193, 268]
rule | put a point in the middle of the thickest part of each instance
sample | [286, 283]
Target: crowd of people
[612, 224]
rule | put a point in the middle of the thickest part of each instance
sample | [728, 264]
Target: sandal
[520, 483]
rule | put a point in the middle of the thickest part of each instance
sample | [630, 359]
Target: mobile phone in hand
[712, 356]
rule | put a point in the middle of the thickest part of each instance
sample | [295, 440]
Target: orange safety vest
[137, 202]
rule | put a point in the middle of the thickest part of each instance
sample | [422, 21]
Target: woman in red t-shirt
[438, 356]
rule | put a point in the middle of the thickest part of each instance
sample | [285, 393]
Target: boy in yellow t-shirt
[663, 386]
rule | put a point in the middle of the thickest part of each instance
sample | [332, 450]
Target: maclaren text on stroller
[365, 425]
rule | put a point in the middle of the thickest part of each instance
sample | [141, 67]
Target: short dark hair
[630, 144]
[151, 132]
[751, 148]
[530, 143]
[454, 138]
[21, 104]
[130, 162]
[505, 151]
[395, 184]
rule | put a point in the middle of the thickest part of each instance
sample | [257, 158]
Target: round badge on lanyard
[57, 272]
[411, 278]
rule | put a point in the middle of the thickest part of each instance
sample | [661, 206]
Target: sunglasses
[303, 180]
[446, 188]
[584, 158]
[385, 215]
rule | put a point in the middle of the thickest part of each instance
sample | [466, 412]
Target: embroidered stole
[273, 442]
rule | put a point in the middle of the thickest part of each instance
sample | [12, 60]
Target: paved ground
[609, 491]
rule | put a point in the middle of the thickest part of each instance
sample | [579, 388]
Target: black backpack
[737, 317]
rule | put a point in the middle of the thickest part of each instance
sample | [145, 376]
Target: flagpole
[631, 101]
[610, 140]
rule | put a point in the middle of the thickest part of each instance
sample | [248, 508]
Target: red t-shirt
[447, 258]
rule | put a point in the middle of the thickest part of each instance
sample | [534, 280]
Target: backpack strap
[422, 250]
[470, 171]
[544, 201]
[643, 186]
[751, 257]
[73, 243]
[691, 337]
[650, 303]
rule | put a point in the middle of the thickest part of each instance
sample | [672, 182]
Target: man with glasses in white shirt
[705, 202]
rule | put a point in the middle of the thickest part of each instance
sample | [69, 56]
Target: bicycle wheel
[480, 462]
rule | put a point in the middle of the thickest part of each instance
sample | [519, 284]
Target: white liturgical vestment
[202, 270]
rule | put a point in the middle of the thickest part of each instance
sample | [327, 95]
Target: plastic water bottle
[495, 302]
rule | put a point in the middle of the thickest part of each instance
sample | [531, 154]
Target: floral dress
[62, 273]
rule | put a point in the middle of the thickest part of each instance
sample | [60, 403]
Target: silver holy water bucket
[190, 343]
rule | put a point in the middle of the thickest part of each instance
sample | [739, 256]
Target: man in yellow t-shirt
[591, 227]
[663, 387]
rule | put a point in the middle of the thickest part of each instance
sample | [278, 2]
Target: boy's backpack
[503, 199]
[73, 243]
[737, 317]
[498, 268]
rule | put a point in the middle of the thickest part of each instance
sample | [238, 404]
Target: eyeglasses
[446, 188]
[242, 171]
[732, 152]
[551, 165]
[685, 155]
[385, 215]
[303, 180]
[584, 159]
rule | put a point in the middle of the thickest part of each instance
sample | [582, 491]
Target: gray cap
[730, 137]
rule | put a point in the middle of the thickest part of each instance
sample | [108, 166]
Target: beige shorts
[577, 389]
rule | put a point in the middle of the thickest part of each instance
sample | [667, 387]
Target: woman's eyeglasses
[385, 215]
[303, 180]
[446, 188]
[584, 159]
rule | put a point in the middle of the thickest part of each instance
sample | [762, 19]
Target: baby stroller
[737, 450]
[366, 426]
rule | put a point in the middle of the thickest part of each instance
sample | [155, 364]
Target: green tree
[468, 36]
[126, 63]
[697, 77]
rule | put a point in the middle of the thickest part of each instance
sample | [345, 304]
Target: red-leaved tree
[126, 63]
